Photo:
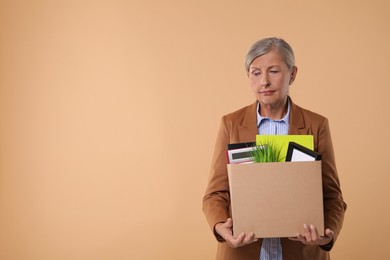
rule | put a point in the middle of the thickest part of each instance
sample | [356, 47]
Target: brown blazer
[241, 126]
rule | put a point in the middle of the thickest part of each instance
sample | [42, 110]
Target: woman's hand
[225, 230]
[310, 236]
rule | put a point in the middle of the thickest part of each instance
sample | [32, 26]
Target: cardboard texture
[276, 199]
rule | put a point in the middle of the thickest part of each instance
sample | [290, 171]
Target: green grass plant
[265, 153]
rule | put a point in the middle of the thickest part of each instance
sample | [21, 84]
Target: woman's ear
[294, 71]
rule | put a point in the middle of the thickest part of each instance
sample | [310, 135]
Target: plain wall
[109, 112]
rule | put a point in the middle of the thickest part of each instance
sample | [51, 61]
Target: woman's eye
[256, 73]
[274, 71]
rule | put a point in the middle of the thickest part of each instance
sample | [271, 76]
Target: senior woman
[271, 69]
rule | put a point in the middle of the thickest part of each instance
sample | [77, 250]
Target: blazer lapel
[297, 123]
[248, 129]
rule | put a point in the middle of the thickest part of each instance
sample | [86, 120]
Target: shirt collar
[285, 119]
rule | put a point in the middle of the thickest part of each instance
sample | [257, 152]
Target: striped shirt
[271, 248]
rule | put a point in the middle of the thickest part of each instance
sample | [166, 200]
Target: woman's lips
[267, 92]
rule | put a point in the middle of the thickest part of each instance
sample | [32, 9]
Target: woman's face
[270, 78]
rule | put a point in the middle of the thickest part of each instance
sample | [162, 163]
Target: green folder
[282, 142]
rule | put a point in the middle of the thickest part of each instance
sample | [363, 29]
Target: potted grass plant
[269, 152]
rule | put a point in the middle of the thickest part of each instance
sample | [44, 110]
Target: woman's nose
[264, 81]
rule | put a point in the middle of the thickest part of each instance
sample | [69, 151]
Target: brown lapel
[297, 122]
[248, 129]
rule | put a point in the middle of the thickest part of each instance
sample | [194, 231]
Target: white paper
[298, 156]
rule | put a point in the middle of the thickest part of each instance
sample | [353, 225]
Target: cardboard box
[276, 199]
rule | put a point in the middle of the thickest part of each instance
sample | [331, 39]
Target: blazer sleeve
[334, 205]
[216, 201]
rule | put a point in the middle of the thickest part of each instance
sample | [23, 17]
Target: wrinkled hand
[310, 236]
[225, 230]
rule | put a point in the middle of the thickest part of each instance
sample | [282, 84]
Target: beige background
[109, 112]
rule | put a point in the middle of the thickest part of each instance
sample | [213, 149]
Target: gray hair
[266, 45]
